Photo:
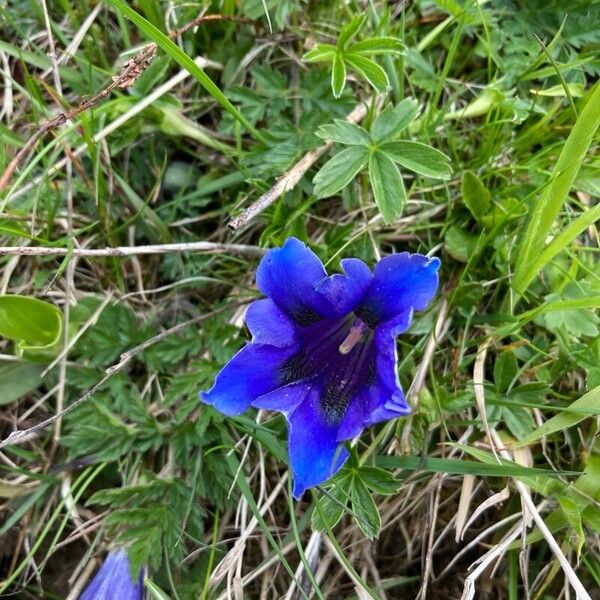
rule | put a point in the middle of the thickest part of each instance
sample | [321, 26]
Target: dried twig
[290, 179]
[134, 250]
[132, 69]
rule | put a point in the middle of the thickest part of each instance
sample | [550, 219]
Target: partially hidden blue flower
[113, 581]
[323, 351]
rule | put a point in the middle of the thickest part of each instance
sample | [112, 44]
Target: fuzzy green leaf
[474, 195]
[388, 187]
[420, 158]
[379, 45]
[340, 170]
[343, 132]
[391, 121]
[370, 71]
[349, 31]
[320, 53]
[338, 76]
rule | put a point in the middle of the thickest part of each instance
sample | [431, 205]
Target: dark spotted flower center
[338, 355]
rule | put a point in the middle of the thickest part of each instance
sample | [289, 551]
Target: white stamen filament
[353, 337]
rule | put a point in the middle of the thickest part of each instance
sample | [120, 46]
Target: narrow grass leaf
[561, 241]
[564, 420]
[177, 54]
[454, 466]
[547, 207]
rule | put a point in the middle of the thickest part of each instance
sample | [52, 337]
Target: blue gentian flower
[113, 581]
[323, 351]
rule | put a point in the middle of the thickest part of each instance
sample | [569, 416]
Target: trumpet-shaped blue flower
[323, 350]
[113, 581]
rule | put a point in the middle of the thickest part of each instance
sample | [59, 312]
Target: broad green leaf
[365, 509]
[379, 45]
[343, 132]
[369, 70]
[562, 421]
[349, 31]
[379, 480]
[333, 504]
[33, 323]
[18, 379]
[571, 511]
[388, 187]
[338, 76]
[340, 170]
[321, 52]
[550, 202]
[391, 121]
[420, 158]
[460, 244]
[474, 195]
[505, 369]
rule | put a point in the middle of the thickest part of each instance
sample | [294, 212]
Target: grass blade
[555, 194]
[178, 55]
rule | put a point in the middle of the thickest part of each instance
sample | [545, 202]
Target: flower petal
[113, 580]
[315, 454]
[284, 399]
[400, 282]
[345, 292]
[268, 324]
[382, 399]
[289, 276]
[387, 397]
[252, 372]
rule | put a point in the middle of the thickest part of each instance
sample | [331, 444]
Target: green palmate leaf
[547, 207]
[332, 505]
[420, 158]
[340, 170]
[321, 52]
[338, 76]
[474, 194]
[365, 509]
[343, 132]
[18, 379]
[388, 187]
[348, 32]
[379, 45]
[369, 70]
[589, 401]
[34, 324]
[391, 121]
[379, 480]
